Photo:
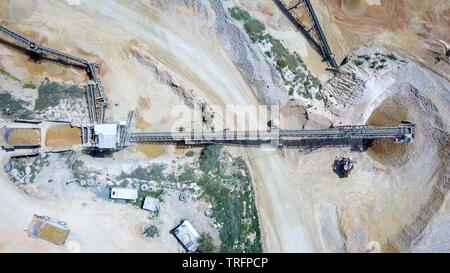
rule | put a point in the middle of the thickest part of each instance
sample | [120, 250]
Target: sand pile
[391, 112]
[25, 137]
[63, 136]
[151, 150]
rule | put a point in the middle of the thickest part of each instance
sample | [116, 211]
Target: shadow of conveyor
[307, 145]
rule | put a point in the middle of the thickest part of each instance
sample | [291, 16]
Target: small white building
[124, 193]
[151, 204]
[187, 236]
[106, 135]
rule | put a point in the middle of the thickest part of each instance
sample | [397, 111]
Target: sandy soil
[95, 224]
[25, 137]
[63, 136]
[210, 72]
[151, 150]
[403, 26]
[300, 210]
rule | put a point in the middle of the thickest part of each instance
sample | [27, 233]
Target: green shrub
[365, 57]
[306, 94]
[282, 57]
[209, 158]
[357, 62]
[151, 232]
[315, 82]
[255, 29]
[392, 57]
[51, 93]
[159, 194]
[318, 96]
[291, 91]
[14, 107]
[282, 63]
[206, 244]
[29, 85]
[190, 154]
[239, 14]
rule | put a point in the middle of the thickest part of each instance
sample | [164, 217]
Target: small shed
[124, 193]
[187, 236]
[106, 135]
[151, 204]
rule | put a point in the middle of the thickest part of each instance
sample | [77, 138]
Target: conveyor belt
[344, 132]
[99, 97]
[304, 16]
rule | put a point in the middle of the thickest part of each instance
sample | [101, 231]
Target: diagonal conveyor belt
[302, 14]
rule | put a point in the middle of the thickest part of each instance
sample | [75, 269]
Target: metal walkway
[402, 133]
[303, 16]
[99, 99]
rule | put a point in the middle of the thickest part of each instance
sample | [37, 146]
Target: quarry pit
[396, 195]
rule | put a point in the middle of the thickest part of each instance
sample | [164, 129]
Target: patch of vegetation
[20, 165]
[209, 158]
[187, 176]
[306, 94]
[76, 166]
[158, 194]
[373, 64]
[14, 107]
[154, 172]
[239, 14]
[151, 232]
[190, 154]
[357, 62]
[255, 29]
[29, 85]
[228, 187]
[365, 57]
[316, 83]
[206, 244]
[51, 93]
[290, 65]
[318, 96]
[38, 164]
[35, 167]
[392, 57]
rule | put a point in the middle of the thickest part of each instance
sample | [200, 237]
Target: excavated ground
[190, 49]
